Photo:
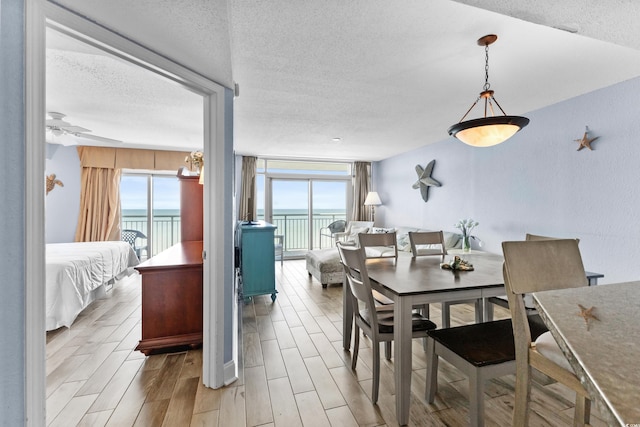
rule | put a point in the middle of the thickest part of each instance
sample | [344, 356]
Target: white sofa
[324, 264]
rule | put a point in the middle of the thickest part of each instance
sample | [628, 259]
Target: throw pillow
[375, 230]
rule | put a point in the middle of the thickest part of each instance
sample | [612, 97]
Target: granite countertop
[606, 354]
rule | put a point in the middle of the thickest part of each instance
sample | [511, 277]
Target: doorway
[218, 367]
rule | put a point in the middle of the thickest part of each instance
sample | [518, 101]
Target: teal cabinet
[257, 254]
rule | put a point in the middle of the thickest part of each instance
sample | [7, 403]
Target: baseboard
[230, 372]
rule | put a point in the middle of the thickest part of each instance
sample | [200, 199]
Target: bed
[78, 273]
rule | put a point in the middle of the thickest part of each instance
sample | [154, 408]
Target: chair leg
[375, 350]
[387, 350]
[582, 412]
[356, 345]
[522, 396]
[432, 371]
[476, 399]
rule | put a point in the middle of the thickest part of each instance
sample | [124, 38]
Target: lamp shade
[372, 199]
[488, 131]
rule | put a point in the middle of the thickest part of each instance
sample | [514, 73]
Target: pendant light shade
[488, 130]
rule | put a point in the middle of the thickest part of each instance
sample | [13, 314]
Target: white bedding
[77, 273]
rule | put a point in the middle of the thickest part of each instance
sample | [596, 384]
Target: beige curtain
[248, 189]
[99, 217]
[360, 191]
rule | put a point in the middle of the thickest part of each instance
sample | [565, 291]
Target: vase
[466, 246]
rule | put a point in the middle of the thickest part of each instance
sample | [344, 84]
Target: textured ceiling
[385, 77]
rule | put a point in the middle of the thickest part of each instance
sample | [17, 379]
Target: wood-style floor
[294, 371]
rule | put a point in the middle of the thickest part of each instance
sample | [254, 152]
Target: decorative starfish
[586, 314]
[424, 179]
[586, 141]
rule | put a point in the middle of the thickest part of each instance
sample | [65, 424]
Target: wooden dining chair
[528, 299]
[534, 266]
[379, 245]
[375, 321]
[424, 243]
[431, 243]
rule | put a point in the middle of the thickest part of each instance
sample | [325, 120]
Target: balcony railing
[294, 227]
[166, 230]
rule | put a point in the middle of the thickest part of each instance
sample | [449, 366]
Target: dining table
[411, 282]
[415, 281]
[601, 340]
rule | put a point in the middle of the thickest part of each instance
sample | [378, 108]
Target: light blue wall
[537, 182]
[12, 223]
[62, 204]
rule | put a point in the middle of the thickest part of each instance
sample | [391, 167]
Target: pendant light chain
[486, 68]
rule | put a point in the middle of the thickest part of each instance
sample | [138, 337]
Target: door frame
[38, 15]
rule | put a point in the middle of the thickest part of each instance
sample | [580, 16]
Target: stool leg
[476, 399]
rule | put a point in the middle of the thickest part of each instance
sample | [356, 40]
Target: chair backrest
[355, 269]
[130, 236]
[530, 237]
[381, 245]
[432, 238]
[538, 265]
[337, 226]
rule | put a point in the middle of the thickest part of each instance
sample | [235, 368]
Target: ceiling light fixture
[492, 130]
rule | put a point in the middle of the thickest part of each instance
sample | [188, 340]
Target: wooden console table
[172, 299]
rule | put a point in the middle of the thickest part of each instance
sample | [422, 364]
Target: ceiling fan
[59, 127]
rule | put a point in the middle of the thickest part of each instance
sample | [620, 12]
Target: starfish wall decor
[424, 179]
[586, 141]
[52, 182]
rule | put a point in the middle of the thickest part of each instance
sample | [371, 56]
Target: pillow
[353, 234]
[402, 236]
[379, 230]
[451, 239]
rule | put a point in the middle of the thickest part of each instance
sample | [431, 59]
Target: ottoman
[325, 266]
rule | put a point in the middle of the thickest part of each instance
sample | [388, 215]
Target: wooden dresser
[172, 299]
[172, 282]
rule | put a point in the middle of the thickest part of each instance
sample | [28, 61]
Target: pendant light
[491, 130]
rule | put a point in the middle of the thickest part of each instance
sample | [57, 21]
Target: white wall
[62, 204]
[537, 182]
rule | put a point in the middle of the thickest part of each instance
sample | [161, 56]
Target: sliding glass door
[151, 205]
[301, 207]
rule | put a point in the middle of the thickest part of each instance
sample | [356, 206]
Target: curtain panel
[99, 218]
[248, 210]
[101, 169]
[360, 191]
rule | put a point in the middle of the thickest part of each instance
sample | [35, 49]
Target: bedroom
[17, 242]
